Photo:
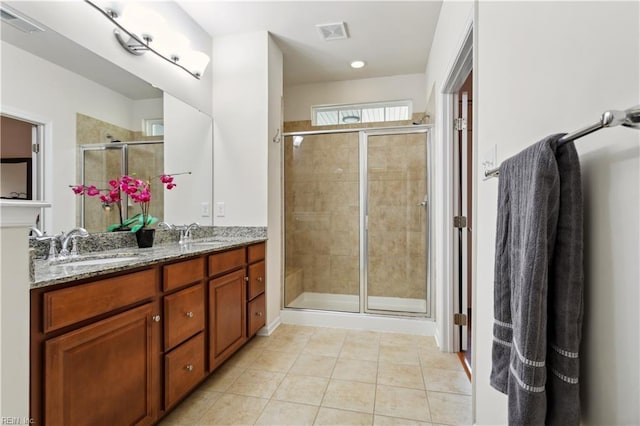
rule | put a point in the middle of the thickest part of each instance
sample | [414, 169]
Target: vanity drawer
[256, 280]
[74, 304]
[183, 369]
[182, 273]
[183, 315]
[256, 252]
[257, 314]
[226, 261]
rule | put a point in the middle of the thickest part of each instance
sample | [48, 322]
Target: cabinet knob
[246, 279]
[259, 314]
[259, 279]
[189, 314]
[188, 367]
[156, 318]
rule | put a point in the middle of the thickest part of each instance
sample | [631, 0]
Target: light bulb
[170, 43]
[142, 22]
[195, 61]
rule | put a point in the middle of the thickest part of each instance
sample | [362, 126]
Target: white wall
[247, 94]
[300, 98]
[145, 109]
[27, 89]
[188, 147]
[83, 24]
[241, 138]
[455, 18]
[275, 213]
[546, 67]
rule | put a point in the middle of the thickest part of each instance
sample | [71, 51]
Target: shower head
[421, 121]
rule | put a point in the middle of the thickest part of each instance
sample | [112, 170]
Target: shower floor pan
[351, 303]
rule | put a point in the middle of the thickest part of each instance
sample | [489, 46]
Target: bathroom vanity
[126, 342]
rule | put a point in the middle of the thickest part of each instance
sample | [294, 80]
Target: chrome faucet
[53, 245]
[71, 237]
[35, 231]
[167, 226]
[189, 228]
[185, 232]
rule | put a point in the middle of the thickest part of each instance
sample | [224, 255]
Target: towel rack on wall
[627, 118]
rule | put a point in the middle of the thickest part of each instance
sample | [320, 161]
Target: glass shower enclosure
[357, 220]
[100, 163]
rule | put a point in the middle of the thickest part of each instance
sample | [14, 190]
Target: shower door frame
[364, 199]
[363, 134]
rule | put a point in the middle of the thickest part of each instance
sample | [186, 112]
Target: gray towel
[538, 285]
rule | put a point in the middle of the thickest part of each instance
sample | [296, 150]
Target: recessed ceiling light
[357, 64]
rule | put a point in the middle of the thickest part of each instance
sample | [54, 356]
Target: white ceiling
[392, 37]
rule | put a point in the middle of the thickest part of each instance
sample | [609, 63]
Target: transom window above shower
[332, 115]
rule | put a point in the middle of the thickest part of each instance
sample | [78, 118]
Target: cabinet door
[104, 373]
[227, 319]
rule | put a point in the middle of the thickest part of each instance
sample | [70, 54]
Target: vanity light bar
[137, 46]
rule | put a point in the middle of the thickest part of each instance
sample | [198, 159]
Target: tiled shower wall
[322, 215]
[102, 166]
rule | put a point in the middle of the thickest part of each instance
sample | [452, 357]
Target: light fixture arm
[134, 44]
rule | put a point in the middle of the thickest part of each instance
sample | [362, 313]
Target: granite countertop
[49, 273]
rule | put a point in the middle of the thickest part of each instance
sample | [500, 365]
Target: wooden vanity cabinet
[127, 348]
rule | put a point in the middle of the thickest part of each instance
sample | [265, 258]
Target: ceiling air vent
[9, 17]
[337, 31]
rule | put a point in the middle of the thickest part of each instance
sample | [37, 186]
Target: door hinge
[459, 221]
[460, 123]
[35, 148]
[459, 319]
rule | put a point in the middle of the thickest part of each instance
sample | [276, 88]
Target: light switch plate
[220, 209]
[204, 210]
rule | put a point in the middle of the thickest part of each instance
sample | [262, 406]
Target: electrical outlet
[204, 209]
[220, 209]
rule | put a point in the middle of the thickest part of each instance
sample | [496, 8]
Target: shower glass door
[322, 210]
[395, 220]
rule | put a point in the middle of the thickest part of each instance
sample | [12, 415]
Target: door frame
[42, 135]
[460, 69]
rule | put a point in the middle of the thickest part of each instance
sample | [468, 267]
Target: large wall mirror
[100, 121]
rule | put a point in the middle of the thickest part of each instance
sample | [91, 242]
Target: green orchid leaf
[136, 228]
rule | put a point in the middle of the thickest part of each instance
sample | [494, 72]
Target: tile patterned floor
[323, 376]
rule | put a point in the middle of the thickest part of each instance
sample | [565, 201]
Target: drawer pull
[189, 314]
[259, 279]
[156, 318]
[259, 314]
[188, 367]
